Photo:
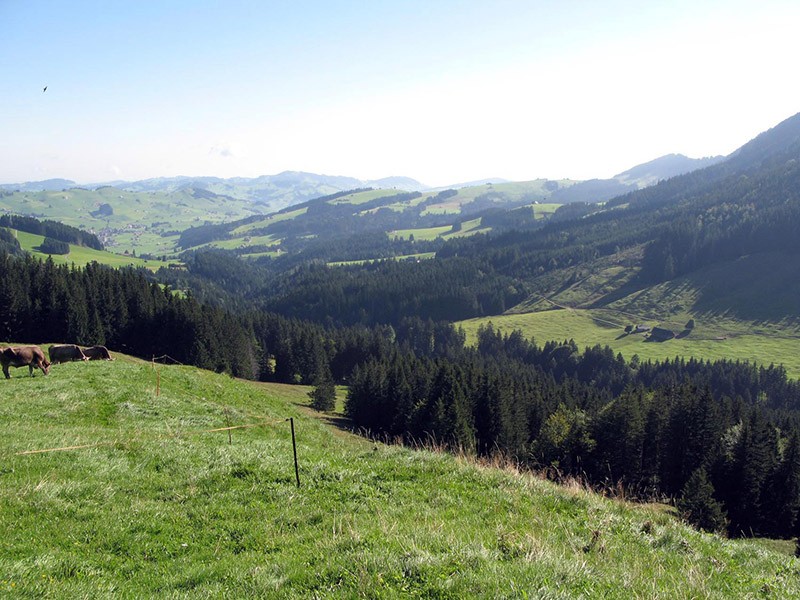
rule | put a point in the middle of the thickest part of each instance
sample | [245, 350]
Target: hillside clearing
[718, 339]
[81, 256]
[162, 506]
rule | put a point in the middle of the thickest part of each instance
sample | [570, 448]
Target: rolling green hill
[745, 309]
[144, 222]
[81, 256]
[151, 501]
[431, 217]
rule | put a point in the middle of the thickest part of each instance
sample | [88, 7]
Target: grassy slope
[746, 309]
[164, 509]
[532, 190]
[138, 219]
[80, 256]
[445, 232]
[605, 327]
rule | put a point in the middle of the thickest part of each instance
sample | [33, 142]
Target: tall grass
[163, 507]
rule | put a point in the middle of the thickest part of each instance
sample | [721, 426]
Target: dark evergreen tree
[756, 456]
[323, 396]
[697, 504]
[782, 497]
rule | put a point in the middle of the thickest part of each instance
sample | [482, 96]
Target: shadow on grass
[338, 421]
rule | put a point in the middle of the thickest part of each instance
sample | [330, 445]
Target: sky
[442, 91]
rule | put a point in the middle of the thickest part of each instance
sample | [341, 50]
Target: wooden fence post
[294, 448]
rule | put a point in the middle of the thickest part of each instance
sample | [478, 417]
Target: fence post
[228, 425]
[158, 378]
[294, 448]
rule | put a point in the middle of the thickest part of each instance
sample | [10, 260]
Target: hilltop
[154, 503]
[635, 178]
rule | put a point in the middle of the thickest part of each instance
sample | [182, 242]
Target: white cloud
[224, 150]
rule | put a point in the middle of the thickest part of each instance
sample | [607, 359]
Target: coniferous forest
[720, 438]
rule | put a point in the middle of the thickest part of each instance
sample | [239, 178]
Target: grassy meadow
[137, 221]
[152, 502]
[536, 190]
[715, 339]
[81, 256]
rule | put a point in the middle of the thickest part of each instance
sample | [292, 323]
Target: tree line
[720, 436]
[52, 229]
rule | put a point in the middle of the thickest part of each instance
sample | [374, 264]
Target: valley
[371, 300]
[646, 344]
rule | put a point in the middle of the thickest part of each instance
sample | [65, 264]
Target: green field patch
[401, 206]
[274, 218]
[81, 256]
[589, 327]
[544, 209]
[271, 254]
[417, 257]
[244, 242]
[533, 191]
[445, 231]
[423, 233]
[451, 207]
[470, 227]
[363, 197]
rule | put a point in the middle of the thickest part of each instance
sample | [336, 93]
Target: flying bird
[44, 90]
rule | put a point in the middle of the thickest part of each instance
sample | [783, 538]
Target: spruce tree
[698, 506]
[323, 396]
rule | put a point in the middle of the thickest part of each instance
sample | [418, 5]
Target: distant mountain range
[274, 192]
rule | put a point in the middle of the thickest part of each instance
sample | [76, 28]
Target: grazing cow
[97, 353]
[30, 356]
[65, 352]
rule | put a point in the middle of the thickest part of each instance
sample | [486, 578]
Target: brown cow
[30, 356]
[65, 352]
[97, 353]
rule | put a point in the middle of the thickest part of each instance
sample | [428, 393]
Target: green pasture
[511, 191]
[716, 340]
[445, 231]
[363, 197]
[544, 209]
[137, 219]
[417, 257]
[81, 256]
[422, 233]
[144, 242]
[401, 206]
[119, 481]
[243, 242]
[242, 230]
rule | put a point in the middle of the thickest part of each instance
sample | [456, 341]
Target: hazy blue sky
[439, 90]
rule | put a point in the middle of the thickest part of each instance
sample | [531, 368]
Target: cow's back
[97, 353]
[65, 352]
